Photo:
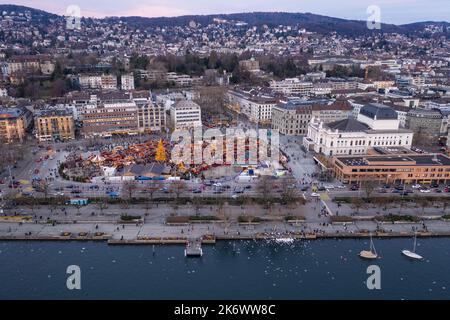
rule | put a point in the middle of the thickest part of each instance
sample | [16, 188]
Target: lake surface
[319, 269]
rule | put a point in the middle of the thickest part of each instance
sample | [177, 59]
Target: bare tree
[368, 187]
[102, 205]
[152, 187]
[357, 204]
[197, 204]
[212, 100]
[289, 191]
[178, 187]
[265, 190]
[44, 187]
[423, 203]
[128, 188]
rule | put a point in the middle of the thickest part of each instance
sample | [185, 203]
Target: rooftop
[10, 113]
[405, 160]
[379, 112]
[54, 112]
[348, 125]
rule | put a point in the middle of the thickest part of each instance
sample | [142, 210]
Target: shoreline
[182, 241]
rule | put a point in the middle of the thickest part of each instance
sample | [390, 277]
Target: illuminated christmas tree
[160, 152]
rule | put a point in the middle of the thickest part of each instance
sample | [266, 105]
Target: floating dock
[193, 248]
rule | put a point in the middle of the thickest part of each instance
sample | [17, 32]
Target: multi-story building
[394, 168]
[256, 107]
[427, 122]
[151, 115]
[251, 65]
[120, 113]
[292, 86]
[14, 124]
[30, 64]
[90, 81]
[127, 82]
[185, 114]
[110, 117]
[54, 125]
[104, 81]
[3, 92]
[402, 113]
[109, 82]
[376, 126]
[293, 117]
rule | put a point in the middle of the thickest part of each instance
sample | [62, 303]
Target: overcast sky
[392, 11]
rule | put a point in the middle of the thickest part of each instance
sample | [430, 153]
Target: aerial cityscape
[286, 154]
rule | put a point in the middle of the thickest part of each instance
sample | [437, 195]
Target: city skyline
[395, 12]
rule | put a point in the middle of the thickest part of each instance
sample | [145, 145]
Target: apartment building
[104, 82]
[109, 82]
[127, 82]
[30, 64]
[251, 65]
[3, 92]
[54, 125]
[14, 124]
[292, 86]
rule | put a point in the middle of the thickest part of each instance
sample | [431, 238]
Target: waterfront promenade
[160, 233]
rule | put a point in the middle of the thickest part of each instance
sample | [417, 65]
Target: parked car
[416, 186]
[238, 190]
[164, 189]
[425, 190]
[197, 190]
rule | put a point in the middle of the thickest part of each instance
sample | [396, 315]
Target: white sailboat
[371, 253]
[413, 254]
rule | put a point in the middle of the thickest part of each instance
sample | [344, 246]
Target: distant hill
[37, 15]
[309, 21]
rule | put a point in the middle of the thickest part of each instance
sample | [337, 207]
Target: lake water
[319, 269]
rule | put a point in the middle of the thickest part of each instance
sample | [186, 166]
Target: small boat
[413, 254]
[371, 253]
[284, 240]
